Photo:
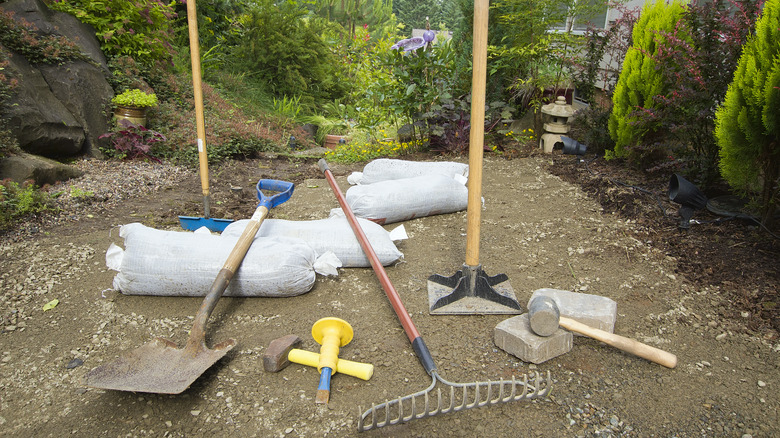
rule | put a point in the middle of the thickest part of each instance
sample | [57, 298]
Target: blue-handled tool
[159, 366]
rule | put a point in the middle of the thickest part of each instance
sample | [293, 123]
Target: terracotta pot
[331, 141]
[136, 116]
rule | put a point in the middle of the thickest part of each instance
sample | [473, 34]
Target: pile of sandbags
[179, 263]
[333, 234]
[285, 256]
[390, 190]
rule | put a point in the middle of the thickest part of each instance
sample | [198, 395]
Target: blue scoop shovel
[159, 366]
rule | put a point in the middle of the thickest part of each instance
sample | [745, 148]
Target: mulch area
[738, 256]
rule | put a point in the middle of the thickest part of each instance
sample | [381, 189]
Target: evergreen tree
[640, 80]
[412, 13]
[748, 122]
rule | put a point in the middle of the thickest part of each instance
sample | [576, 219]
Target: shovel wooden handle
[196, 340]
[632, 346]
[200, 123]
[477, 133]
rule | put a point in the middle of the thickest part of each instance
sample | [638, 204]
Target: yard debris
[51, 304]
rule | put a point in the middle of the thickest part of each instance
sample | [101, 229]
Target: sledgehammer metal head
[275, 357]
[543, 315]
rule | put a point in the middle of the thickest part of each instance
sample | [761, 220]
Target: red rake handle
[395, 300]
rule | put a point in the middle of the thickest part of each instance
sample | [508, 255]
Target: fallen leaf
[51, 304]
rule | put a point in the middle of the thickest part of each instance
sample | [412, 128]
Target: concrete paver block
[514, 336]
[593, 310]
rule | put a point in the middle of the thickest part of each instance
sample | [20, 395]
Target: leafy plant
[589, 126]
[327, 126]
[449, 124]
[18, 200]
[422, 82]
[748, 122]
[19, 35]
[141, 29]
[284, 50]
[289, 107]
[133, 141]
[640, 81]
[698, 69]
[357, 151]
[78, 193]
[135, 98]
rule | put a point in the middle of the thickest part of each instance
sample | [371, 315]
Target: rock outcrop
[24, 167]
[57, 111]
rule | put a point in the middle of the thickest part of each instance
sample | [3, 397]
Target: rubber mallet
[544, 317]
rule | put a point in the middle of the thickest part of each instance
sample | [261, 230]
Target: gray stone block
[514, 336]
[592, 310]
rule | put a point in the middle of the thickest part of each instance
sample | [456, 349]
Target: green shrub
[141, 29]
[19, 35]
[589, 126]
[135, 98]
[17, 200]
[364, 150]
[283, 50]
[748, 122]
[640, 80]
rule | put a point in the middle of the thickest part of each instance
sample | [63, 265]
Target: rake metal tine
[465, 399]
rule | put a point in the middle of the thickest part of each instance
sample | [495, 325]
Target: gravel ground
[538, 230]
[104, 185]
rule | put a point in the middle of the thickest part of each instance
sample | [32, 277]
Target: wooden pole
[477, 135]
[192, 24]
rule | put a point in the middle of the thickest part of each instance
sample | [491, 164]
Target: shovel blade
[156, 367]
[192, 223]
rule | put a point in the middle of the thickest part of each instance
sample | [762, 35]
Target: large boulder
[58, 110]
[24, 167]
[42, 123]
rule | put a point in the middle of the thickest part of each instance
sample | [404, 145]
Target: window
[595, 14]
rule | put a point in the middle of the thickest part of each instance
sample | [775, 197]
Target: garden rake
[460, 395]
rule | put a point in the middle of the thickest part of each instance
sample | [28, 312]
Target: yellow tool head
[332, 325]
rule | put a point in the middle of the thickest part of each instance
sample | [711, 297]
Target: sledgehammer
[545, 318]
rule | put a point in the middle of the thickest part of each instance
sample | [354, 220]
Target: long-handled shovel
[418, 405]
[194, 222]
[470, 290]
[159, 366]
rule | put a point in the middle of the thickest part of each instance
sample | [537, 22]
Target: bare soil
[707, 294]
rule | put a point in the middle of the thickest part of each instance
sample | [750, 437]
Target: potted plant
[330, 131]
[132, 105]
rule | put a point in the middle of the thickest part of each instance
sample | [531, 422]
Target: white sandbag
[398, 200]
[177, 263]
[384, 169]
[333, 234]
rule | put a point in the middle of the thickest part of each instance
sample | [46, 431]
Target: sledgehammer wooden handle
[632, 346]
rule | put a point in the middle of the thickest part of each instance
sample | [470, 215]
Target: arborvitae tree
[748, 122]
[639, 79]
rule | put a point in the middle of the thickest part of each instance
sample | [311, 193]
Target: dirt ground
[708, 295]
